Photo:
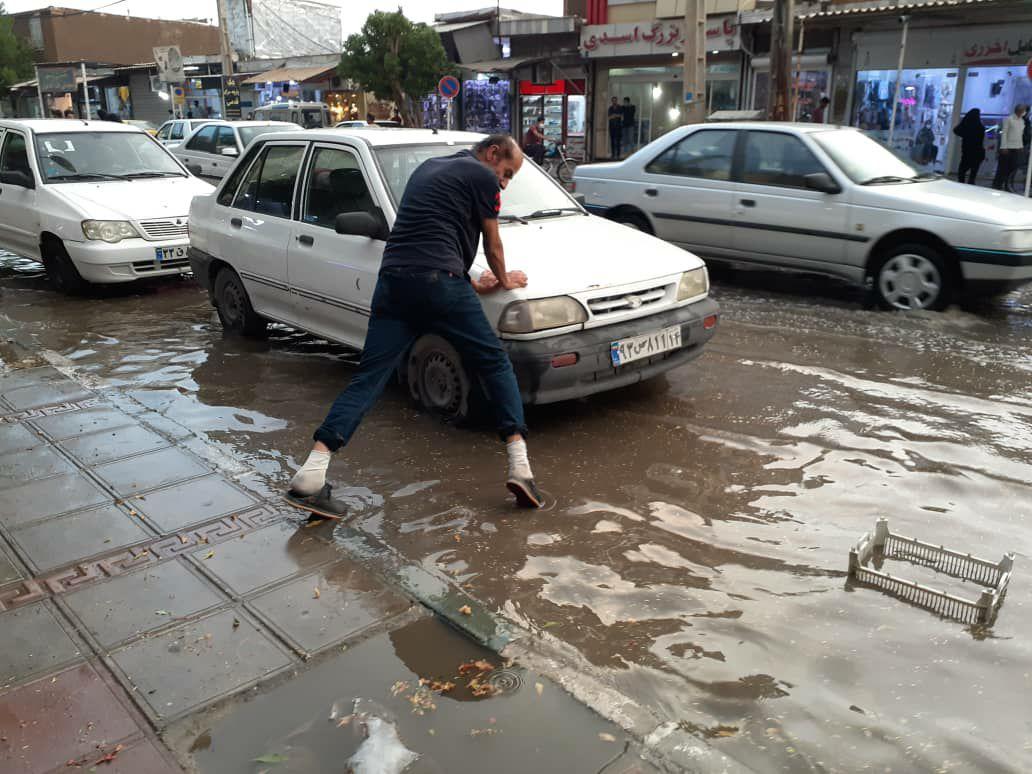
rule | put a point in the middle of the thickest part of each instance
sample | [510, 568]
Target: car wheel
[634, 220]
[437, 378]
[61, 271]
[234, 306]
[913, 276]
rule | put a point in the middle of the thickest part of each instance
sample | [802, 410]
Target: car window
[248, 133]
[229, 189]
[335, 185]
[177, 132]
[706, 154]
[163, 131]
[224, 138]
[311, 118]
[103, 155]
[268, 187]
[15, 156]
[203, 141]
[773, 158]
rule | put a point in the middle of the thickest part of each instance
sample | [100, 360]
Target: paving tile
[197, 663]
[349, 600]
[145, 600]
[80, 535]
[62, 718]
[18, 467]
[44, 394]
[8, 569]
[192, 501]
[108, 445]
[31, 642]
[164, 425]
[141, 758]
[147, 471]
[74, 423]
[268, 555]
[49, 497]
[25, 377]
[17, 438]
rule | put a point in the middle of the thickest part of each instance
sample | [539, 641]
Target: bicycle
[558, 164]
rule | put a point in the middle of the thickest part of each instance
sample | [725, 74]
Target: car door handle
[236, 222]
[748, 202]
[651, 192]
[306, 240]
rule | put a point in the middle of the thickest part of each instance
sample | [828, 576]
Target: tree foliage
[394, 59]
[15, 53]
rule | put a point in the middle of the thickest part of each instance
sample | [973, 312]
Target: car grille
[164, 229]
[146, 267]
[627, 301]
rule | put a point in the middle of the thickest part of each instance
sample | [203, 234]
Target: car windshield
[863, 160]
[530, 194]
[248, 133]
[77, 156]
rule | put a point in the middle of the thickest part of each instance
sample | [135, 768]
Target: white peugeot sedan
[296, 234]
[172, 133]
[818, 198]
[94, 201]
[213, 148]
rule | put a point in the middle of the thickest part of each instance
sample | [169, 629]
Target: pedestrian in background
[615, 128]
[534, 141]
[370, 119]
[629, 112]
[971, 132]
[1012, 132]
[69, 113]
[819, 115]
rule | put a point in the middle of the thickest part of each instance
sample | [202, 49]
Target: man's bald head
[502, 155]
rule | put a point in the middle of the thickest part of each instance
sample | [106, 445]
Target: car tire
[234, 306]
[61, 271]
[438, 380]
[634, 220]
[914, 276]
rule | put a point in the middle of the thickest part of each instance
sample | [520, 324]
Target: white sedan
[214, 147]
[818, 198]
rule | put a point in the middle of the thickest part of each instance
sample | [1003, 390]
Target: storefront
[811, 80]
[300, 84]
[487, 104]
[562, 104]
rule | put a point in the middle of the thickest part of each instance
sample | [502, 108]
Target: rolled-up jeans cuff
[331, 440]
[506, 432]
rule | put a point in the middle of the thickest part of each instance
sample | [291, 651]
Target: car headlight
[109, 230]
[1017, 240]
[693, 283]
[541, 314]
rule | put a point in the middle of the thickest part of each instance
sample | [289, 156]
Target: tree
[15, 54]
[395, 59]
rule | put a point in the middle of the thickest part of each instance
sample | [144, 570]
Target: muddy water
[696, 540]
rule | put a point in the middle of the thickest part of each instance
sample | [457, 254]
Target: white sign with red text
[658, 36]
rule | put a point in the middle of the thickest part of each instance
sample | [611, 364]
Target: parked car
[818, 198]
[94, 201]
[172, 133]
[356, 124]
[296, 234]
[307, 115]
[211, 150]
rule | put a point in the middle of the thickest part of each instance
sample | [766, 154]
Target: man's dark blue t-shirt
[439, 219]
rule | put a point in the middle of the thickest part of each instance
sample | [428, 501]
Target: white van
[94, 201]
[295, 233]
[307, 115]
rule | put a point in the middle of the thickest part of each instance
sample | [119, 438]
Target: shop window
[335, 185]
[772, 158]
[268, 187]
[706, 154]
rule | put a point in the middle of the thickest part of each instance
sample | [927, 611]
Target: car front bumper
[994, 270]
[126, 261]
[541, 382]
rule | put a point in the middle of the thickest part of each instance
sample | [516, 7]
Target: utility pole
[778, 98]
[694, 61]
[225, 49]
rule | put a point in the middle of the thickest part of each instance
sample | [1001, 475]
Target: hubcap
[233, 303]
[442, 385]
[910, 281]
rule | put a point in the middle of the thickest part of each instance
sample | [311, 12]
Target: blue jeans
[407, 303]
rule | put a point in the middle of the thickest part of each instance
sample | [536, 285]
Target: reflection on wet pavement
[696, 545]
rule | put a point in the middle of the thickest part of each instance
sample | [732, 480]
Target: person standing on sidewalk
[629, 122]
[971, 132]
[615, 129]
[1011, 146]
[424, 286]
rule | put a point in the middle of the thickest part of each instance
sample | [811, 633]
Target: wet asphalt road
[696, 539]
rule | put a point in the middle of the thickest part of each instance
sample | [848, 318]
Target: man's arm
[495, 253]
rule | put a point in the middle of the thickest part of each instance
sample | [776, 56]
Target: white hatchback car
[818, 198]
[296, 234]
[172, 133]
[213, 148]
[94, 201]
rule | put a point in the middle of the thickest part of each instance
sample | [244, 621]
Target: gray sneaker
[526, 491]
[321, 504]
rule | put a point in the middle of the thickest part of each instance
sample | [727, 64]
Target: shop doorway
[655, 93]
[994, 91]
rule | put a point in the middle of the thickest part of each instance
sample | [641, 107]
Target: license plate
[167, 253]
[628, 350]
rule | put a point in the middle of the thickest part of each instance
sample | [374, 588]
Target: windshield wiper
[551, 212]
[88, 176]
[887, 179]
[138, 175]
[513, 218]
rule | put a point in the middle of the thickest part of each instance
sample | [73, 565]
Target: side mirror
[581, 199]
[194, 169]
[17, 178]
[361, 224]
[823, 182]
[229, 150]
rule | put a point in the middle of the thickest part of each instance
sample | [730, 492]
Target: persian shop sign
[655, 37]
[998, 51]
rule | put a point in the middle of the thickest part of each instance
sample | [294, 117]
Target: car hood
[946, 198]
[132, 199]
[575, 253]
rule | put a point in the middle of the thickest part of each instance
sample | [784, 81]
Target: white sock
[519, 464]
[312, 475]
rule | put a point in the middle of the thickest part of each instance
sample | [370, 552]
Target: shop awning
[501, 65]
[859, 9]
[78, 79]
[298, 74]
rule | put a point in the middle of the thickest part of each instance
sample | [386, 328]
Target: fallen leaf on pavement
[162, 612]
[109, 756]
[236, 623]
[466, 610]
[316, 593]
[539, 688]
[606, 737]
[209, 555]
[458, 537]
[271, 758]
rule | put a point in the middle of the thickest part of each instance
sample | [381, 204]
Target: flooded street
[695, 541]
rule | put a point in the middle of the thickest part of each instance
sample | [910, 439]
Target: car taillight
[710, 322]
